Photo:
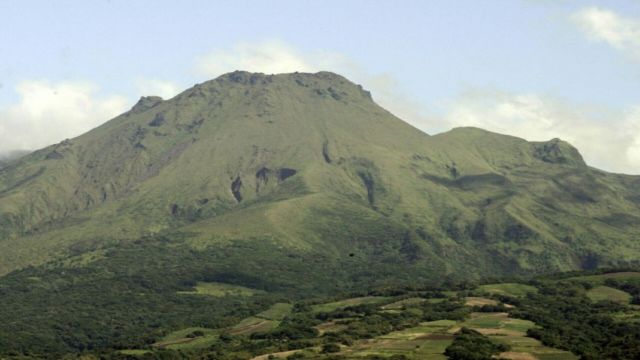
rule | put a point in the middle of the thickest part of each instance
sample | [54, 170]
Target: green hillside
[292, 157]
[292, 185]
[7, 157]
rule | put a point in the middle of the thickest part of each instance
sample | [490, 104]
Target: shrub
[195, 334]
[471, 345]
[330, 348]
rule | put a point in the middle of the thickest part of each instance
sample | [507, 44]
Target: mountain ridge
[245, 141]
[291, 187]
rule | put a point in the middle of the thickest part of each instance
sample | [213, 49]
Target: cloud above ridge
[274, 56]
[607, 138]
[46, 113]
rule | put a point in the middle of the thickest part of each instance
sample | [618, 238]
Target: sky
[537, 69]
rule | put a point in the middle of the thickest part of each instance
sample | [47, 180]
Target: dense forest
[565, 316]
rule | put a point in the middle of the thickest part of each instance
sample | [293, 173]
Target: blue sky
[535, 69]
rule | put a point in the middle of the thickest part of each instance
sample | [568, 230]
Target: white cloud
[622, 33]
[47, 113]
[273, 57]
[270, 57]
[154, 87]
[632, 127]
[607, 139]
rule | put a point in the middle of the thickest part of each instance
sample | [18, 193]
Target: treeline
[568, 319]
[630, 286]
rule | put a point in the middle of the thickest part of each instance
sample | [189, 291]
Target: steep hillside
[312, 162]
[7, 157]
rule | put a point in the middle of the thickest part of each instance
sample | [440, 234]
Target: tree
[471, 345]
[330, 348]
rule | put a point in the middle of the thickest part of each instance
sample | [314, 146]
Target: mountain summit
[310, 163]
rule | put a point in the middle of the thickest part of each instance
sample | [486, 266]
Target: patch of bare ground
[479, 301]
[392, 344]
[278, 355]
[454, 330]
[512, 355]
[260, 326]
[328, 327]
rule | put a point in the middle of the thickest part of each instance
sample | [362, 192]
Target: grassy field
[511, 289]
[252, 325]
[276, 312]
[264, 321]
[220, 290]
[180, 339]
[601, 293]
[134, 352]
[501, 328]
[402, 303]
[485, 320]
[429, 340]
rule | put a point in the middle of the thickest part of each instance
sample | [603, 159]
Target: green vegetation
[311, 163]
[406, 302]
[255, 212]
[471, 345]
[188, 338]
[276, 312]
[601, 278]
[347, 302]
[510, 289]
[482, 320]
[262, 322]
[605, 293]
[544, 324]
[568, 319]
[220, 290]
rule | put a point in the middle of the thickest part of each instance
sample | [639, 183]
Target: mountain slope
[290, 156]
[293, 185]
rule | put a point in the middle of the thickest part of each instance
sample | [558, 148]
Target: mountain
[312, 162]
[290, 184]
[7, 157]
